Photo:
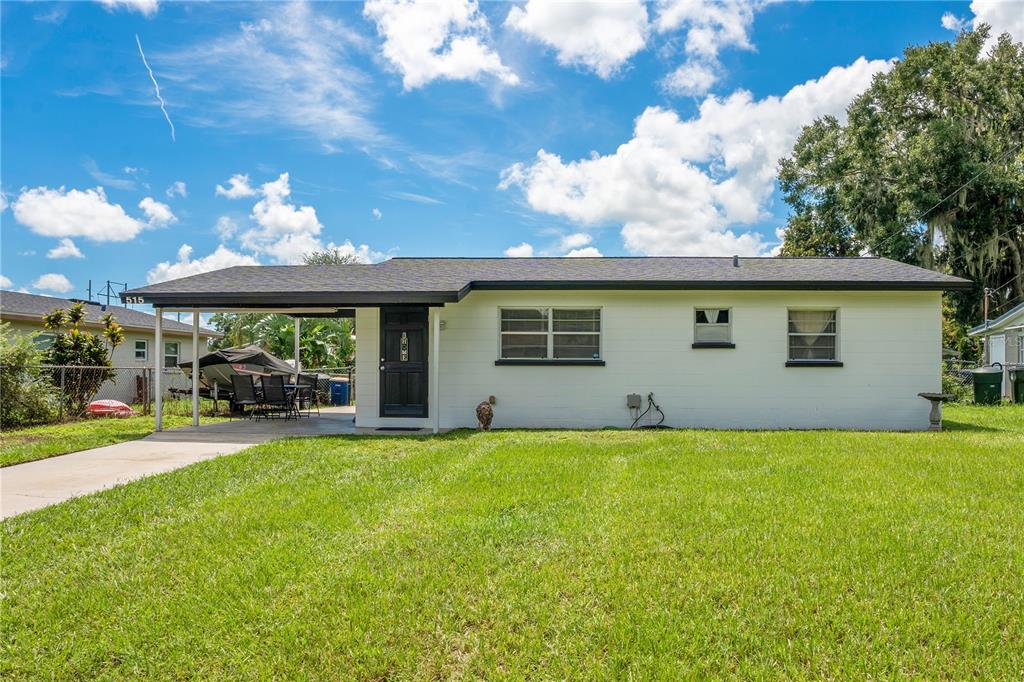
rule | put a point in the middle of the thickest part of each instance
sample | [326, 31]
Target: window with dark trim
[813, 336]
[550, 334]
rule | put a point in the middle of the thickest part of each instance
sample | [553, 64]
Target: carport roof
[434, 281]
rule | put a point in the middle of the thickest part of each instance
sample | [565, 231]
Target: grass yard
[540, 555]
[49, 440]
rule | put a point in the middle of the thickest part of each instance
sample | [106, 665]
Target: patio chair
[244, 394]
[306, 391]
[277, 400]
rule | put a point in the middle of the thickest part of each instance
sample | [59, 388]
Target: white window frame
[836, 356]
[550, 333]
[145, 349]
[727, 325]
[176, 355]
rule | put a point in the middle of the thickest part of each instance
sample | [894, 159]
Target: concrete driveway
[33, 485]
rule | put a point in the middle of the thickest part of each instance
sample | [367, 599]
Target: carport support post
[298, 367]
[435, 366]
[195, 368]
[158, 362]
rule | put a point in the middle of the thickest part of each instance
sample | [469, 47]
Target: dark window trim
[713, 344]
[567, 362]
[813, 363]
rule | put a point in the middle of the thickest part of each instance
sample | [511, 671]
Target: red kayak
[109, 408]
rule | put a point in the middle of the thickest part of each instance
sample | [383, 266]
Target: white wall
[889, 342]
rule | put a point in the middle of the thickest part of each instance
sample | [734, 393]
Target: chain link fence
[958, 380]
[326, 375]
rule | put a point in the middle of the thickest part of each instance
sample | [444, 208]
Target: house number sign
[403, 352]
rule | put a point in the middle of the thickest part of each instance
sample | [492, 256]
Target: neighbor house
[1004, 341]
[25, 314]
[561, 342]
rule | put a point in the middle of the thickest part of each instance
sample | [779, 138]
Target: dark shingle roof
[34, 306]
[436, 280]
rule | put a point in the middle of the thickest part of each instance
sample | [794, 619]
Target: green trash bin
[988, 385]
[1017, 383]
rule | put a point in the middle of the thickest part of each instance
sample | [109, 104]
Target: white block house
[561, 343]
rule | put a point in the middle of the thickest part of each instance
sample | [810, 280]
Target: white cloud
[74, 213]
[426, 40]
[52, 281]
[157, 214]
[1002, 16]
[691, 78]
[238, 187]
[524, 250]
[3, 201]
[222, 257]
[177, 189]
[65, 249]
[574, 241]
[226, 228]
[290, 68]
[678, 186]
[145, 7]
[377, 215]
[589, 252]
[5, 283]
[287, 232]
[710, 26]
[600, 36]
[952, 22]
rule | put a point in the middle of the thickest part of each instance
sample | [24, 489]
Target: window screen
[550, 333]
[812, 335]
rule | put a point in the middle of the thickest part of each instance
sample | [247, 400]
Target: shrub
[87, 354]
[26, 397]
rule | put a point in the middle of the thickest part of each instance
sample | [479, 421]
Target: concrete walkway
[33, 485]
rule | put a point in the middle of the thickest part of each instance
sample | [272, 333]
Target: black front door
[403, 362]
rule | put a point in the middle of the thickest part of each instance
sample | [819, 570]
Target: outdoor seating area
[271, 397]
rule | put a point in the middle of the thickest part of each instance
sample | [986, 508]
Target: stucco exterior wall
[889, 343]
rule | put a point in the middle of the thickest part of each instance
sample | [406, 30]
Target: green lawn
[40, 442]
[540, 555]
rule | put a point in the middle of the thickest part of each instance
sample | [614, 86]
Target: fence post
[61, 401]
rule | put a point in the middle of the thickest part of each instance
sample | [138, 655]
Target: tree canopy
[323, 342]
[927, 169]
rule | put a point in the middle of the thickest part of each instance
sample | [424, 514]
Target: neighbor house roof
[15, 305]
[441, 280]
[1011, 319]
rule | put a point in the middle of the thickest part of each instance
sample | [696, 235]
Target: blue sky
[412, 129]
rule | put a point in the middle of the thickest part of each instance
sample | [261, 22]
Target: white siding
[890, 344]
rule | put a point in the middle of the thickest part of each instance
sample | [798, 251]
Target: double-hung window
[712, 327]
[142, 350]
[172, 353]
[813, 336]
[550, 334]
